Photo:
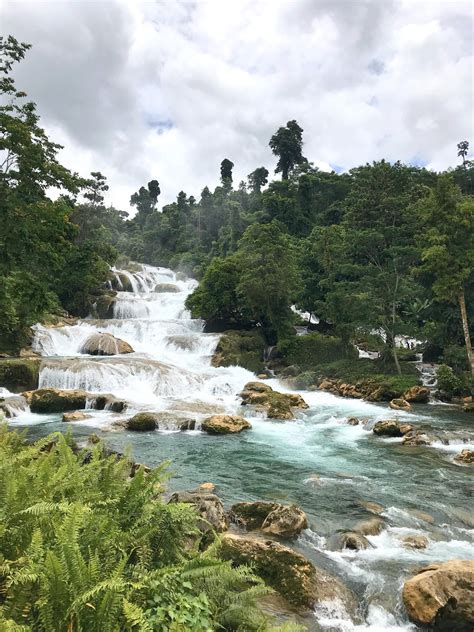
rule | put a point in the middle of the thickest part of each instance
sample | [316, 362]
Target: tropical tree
[287, 144]
[258, 179]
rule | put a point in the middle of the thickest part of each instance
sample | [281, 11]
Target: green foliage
[314, 349]
[287, 144]
[86, 547]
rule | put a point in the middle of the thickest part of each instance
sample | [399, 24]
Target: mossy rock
[167, 288]
[240, 348]
[142, 422]
[104, 306]
[277, 405]
[51, 400]
[19, 374]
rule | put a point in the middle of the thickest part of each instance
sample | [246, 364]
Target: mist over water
[317, 461]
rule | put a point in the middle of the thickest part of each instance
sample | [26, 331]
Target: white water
[170, 370]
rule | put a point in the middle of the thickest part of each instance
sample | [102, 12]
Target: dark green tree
[258, 179]
[287, 144]
[226, 173]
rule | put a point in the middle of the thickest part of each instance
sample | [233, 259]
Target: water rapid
[319, 462]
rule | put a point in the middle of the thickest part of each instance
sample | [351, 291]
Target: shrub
[315, 349]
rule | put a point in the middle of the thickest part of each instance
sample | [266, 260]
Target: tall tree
[145, 201]
[463, 148]
[449, 247]
[287, 144]
[258, 179]
[226, 173]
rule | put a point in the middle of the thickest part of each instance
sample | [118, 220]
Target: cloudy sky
[168, 89]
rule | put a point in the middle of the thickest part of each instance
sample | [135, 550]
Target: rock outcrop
[391, 428]
[276, 405]
[104, 344]
[348, 540]
[209, 507]
[168, 288]
[400, 404]
[104, 306]
[286, 521]
[75, 416]
[225, 424]
[19, 374]
[287, 571]
[52, 400]
[442, 596]
[417, 395]
[372, 526]
[371, 389]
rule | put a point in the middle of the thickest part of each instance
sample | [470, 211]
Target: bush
[86, 547]
[315, 349]
[451, 384]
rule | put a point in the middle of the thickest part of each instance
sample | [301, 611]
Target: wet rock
[442, 596]
[107, 401]
[415, 542]
[348, 540]
[286, 521]
[208, 505]
[27, 352]
[276, 405]
[251, 515]
[391, 428]
[400, 404]
[75, 416]
[142, 422]
[287, 571]
[171, 420]
[416, 438]
[169, 288]
[353, 421]
[465, 456]
[19, 374]
[104, 306]
[225, 424]
[12, 405]
[208, 488]
[468, 407]
[373, 526]
[421, 515]
[121, 281]
[417, 395]
[371, 506]
[52, 400]
[104, 344]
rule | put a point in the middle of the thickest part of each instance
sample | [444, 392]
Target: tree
[95, 188]
[145, 201]
[258, 179]
[287, 144]
[268, 278]
[449, 247]
[463, 148]
[226, 173]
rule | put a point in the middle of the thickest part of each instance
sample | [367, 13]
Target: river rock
[417, 395]
[53, 400]
[287, 571]
[208, 505]
[12, 405]
[251, 515]
[416, 438]
[104, 344]
[286, 521]
[19, 374]
[353, 421]
[104, 306]
[373, 526]
[391, 428]
[468, 407]
[465, 456]
[400, 404]
[415, 542]
[374, 508]
[169, 288]
[442, 596]
[207, 488]
[225, 424]
[75, 416]
[142, 422]
[107, 401]
[276, 405]
[348, 540]
[121, 281]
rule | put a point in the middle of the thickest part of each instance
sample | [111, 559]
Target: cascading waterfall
[318, 461]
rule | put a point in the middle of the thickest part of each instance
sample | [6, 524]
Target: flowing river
[318, 461]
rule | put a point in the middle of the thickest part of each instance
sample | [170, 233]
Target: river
[318, 461]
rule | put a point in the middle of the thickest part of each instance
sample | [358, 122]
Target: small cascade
[427, 375]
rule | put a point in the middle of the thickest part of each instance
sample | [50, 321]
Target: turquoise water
[317, 461]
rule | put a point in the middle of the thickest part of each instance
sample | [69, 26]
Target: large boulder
[273, 518]
[104, 344]
[104, 306]
[465, 456]
[107, 401]
[417, 395]
[19, 374]
[416, 438]
[348, 540]
[121, 281]
[75, 416]
[287, 571]
[391, 428]
[142, 422]
[442, 596]
[209, 507]
[53, 400]
[225, 424]
[372, 526]
[276, 405]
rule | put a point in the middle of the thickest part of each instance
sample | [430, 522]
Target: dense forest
[382, 251]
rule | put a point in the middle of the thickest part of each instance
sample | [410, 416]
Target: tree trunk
[395, 355]
[465, 327]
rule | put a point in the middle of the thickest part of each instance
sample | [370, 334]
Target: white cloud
[167, 90]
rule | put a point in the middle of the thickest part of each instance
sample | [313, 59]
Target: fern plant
[84, 547]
